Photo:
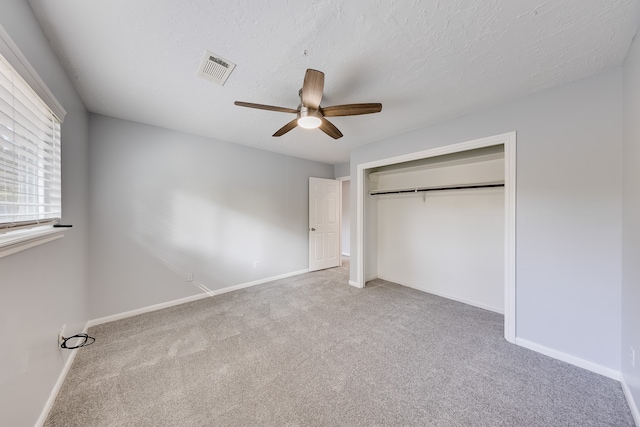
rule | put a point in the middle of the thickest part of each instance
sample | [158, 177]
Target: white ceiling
[425, 61]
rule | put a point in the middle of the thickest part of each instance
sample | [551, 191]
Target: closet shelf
[438, 188]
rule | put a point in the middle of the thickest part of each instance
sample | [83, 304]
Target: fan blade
[351, 109]
[286, 128]
[266, 107]
[312, 89]
[327, 127]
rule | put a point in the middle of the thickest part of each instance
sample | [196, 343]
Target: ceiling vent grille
[215, 68]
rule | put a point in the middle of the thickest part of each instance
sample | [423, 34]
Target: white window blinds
[30, 185]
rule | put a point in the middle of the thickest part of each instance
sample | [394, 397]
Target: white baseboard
[58, 385]
[355, 284]
[167, 304]
[448, 296]
[258, 282]
[632, 404]
[572, 360]
[346, 254]
[147, 309]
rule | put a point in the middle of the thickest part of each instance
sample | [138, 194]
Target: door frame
[342, 179]
[509, 142]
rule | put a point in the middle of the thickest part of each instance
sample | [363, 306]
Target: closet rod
[444, 188]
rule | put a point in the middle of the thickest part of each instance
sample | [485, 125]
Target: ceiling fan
[310, 114]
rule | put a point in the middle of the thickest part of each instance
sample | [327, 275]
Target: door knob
[312, 229]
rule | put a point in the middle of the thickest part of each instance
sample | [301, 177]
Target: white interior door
[324, 223]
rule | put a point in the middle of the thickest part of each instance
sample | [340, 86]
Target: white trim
[360, 225]
[572, 360]
[167, 304]
[510, 289]
[441, 164]
[509, 142]
[355, 284]
[17, 241]
[19, 62]
[439, 151]
[632, 404]
[148, 309]
[58, 385]
[445, 295]
[339, 221]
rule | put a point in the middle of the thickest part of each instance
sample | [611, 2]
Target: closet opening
[442, 221]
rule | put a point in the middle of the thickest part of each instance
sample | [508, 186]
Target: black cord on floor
[83, 343]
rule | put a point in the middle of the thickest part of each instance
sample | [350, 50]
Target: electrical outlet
[189, 277]
[255, 264]
[61, 336]
[633, 358]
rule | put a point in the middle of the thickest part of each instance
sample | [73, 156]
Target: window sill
[17, 241]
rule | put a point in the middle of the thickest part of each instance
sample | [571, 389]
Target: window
[30, 169]
[30, 187]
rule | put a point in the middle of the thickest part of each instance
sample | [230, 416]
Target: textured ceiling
[425, 61]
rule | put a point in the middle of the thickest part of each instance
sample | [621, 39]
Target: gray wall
[164, 204]
[44, 287]
[341, 170]
[568, 221]
[631, 222]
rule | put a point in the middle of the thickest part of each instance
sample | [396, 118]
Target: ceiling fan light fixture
[309, 114]
[309, 119]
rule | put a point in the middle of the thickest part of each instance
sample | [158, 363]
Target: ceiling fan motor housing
[308, 118]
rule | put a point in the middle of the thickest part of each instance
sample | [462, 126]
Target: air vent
[215, 68]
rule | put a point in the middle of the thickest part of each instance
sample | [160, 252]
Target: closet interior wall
[449, 243]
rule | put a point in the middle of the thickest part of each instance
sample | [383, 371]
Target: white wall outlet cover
[61, 336]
